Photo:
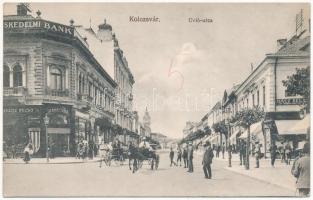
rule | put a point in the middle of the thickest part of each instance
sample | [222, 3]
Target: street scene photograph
[156, 99]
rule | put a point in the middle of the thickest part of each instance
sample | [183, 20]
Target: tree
[220, 127]
[245, 118]
[299, 84]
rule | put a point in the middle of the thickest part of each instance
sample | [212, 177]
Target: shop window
[17, 76]
[6, 76]
[56, 78]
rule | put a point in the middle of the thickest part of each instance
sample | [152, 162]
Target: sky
[181, 68]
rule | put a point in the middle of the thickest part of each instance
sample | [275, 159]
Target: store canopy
[233, 136]
[293, 127]
[255, 129]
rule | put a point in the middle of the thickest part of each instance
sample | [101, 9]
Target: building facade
[52, 70]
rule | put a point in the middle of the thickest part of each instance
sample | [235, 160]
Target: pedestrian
[257, 154]
[273, 150]
[301, 170]
[28, 151]
[185, 157]
[282, 152]
[90, 150]
[190, 157]
[172, 157]
[288, 154]
[207, 161]
[179, 155]
[241, 152]
[218, 149]
[223, 149]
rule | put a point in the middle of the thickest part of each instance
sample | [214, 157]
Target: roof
[295, 46]
[17, 17]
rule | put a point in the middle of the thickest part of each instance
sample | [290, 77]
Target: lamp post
[46, 121]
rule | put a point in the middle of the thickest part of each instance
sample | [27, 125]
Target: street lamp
[46, 121]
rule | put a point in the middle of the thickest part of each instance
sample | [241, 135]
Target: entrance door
[34, 138]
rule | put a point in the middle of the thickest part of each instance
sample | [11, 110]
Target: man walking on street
[190, 157]
[185, 157]
[218, 149]
[207, 161]
[257, 154]
[273, 151]
[241, 152]
[301, 170]
[179, 155]
[172, 157]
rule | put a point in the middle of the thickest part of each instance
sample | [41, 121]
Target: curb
[262, 180]
[45, 163]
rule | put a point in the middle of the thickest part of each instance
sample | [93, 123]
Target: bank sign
[37, 24]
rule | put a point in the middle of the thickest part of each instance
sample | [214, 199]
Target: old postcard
[156, 99]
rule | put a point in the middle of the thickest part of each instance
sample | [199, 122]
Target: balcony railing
[15, 91]
[58, 93]
[84, 98]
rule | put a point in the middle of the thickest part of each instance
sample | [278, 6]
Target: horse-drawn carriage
[141, 155]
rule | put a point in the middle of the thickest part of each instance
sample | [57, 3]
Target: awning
[293, 127]
[58, 130]
[233, 136]
[255, 129]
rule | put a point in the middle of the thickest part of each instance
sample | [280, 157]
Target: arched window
[56, 78]
[6, 76]
[17, 76]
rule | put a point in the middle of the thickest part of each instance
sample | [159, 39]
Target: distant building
[147, 123]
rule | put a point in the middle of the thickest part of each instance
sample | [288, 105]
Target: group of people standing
[185, 154]
[86, 149]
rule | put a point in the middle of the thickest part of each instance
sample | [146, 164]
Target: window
[17, 76]
[258, 98]
[56, 79]
[89, 88]
[80, 84]
[253, 102]
[247, 102]
[6, 76]
[263, 95]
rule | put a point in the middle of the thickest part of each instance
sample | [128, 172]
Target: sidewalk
[279, 175]
[58, 160]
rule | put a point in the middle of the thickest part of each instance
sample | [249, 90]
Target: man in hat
[207, 160]
[190, 157]
[301, 170]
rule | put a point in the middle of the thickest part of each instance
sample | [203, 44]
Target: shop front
[292, 131]
[21, 124]
[59, 129]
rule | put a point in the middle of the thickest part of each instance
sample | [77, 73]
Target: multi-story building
[49, 70]
[105, 47]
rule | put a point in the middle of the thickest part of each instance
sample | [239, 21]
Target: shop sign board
[38, 24]
[290, 101]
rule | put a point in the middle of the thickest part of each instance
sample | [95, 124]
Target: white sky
[207, 57]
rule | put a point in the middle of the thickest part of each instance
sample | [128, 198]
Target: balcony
[58, 93]
[15, 91]
[84, 98]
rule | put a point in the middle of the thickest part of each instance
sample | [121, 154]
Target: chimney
[281, 43]
[105, 31]
[251, 67]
